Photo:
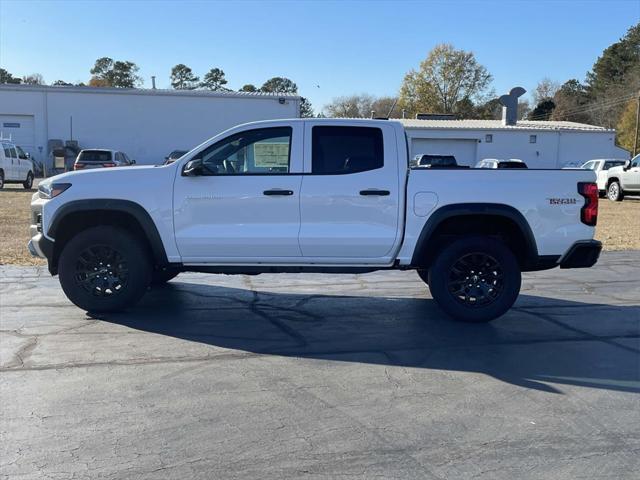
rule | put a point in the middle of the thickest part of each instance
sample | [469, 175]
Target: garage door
[21, 130]
[465, 151]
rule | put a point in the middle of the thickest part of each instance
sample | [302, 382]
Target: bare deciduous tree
[33, 79]
[545, 90]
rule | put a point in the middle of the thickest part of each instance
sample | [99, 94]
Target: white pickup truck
[313, 195]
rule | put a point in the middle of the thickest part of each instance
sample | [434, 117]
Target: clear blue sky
[342, 47]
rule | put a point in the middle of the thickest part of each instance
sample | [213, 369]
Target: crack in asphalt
[239, 355]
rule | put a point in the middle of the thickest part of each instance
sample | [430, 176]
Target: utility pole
[635, 142]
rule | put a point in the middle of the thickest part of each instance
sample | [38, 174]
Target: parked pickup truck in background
[624, 179]
[313, 195]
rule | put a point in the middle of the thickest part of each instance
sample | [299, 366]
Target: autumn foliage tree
[447, 80]
[626, 128]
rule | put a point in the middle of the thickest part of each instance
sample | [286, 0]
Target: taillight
[589, 212]
[78, 166]
[109, 164]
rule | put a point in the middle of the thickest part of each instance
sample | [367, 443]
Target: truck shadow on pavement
[540, 343]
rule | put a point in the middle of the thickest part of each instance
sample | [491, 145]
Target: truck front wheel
[475, 279]
[614, 192]
[104, 269]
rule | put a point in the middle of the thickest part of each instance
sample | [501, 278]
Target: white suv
[15, 166]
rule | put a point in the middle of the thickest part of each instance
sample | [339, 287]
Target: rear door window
[344, 150]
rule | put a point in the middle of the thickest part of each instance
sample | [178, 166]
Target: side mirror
[193, 168]
[627, 165]
[27, 155]
[133, 162]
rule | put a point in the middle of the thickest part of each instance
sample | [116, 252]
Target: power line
[603, 104]
[591, 107]
[594, 106]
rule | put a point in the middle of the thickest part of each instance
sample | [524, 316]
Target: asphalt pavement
[322, 376]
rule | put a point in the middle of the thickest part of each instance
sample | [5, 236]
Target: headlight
[51, 190]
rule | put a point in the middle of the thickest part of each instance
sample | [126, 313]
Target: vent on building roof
[510, 105]
[436, 116]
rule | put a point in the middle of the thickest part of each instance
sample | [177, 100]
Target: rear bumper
[582, 254]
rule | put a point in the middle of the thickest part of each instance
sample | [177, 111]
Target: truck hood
[105, 173]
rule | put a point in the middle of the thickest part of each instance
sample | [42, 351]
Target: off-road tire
[107, 253]
[493, 279]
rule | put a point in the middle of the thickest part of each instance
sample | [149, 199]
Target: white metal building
[146, 124]
[540, 144]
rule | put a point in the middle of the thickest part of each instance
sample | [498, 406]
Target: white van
[15, 165]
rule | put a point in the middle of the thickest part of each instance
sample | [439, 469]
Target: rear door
[350, 195]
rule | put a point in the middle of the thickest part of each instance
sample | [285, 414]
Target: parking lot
[321, 376]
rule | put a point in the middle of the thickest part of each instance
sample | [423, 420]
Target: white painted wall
[553, 149]
[147, 125]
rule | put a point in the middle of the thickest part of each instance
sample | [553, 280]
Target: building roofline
[496, 125]
[145, 91]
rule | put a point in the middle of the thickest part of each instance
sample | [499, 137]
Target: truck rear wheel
[104, 269]
[475, 279]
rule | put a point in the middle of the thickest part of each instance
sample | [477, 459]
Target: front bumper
[40, 246]
[582, 254]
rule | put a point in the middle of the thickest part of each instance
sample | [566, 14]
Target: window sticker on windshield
[270, 154]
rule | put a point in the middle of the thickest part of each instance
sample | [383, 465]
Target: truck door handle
[372, 191]
[278, 192]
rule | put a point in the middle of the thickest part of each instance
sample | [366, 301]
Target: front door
[633, 174]
[350, 194]
[245, 205]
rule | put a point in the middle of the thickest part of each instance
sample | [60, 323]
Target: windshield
[94, 156]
